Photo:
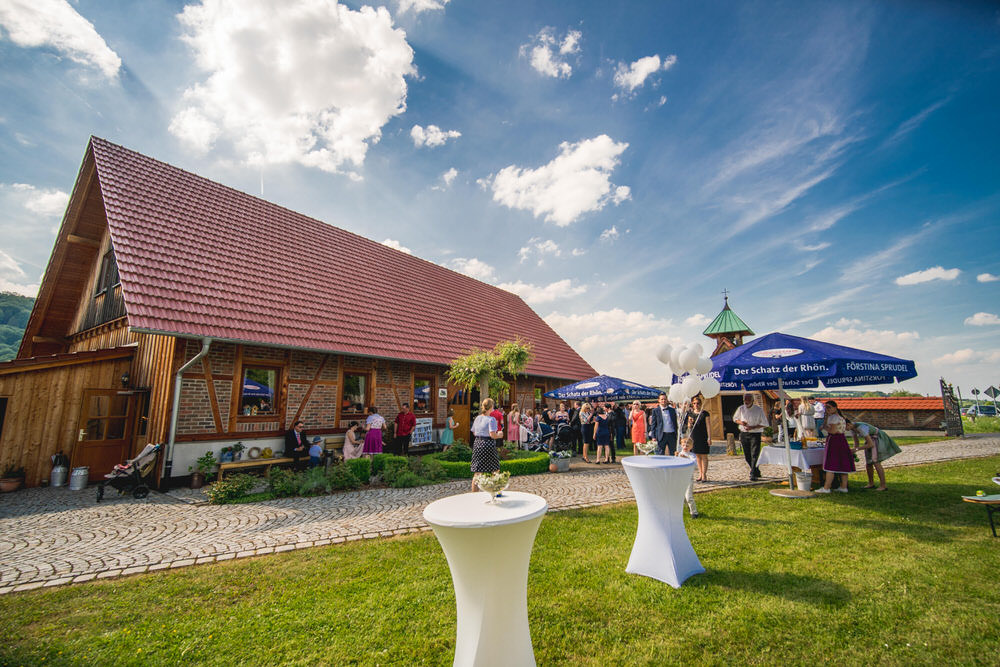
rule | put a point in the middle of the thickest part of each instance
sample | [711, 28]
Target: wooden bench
[253, 463]
[992, 504]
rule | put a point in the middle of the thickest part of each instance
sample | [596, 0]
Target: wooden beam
[47, 339]
[81, 240]
[309, 391]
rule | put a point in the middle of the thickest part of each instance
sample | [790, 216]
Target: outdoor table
[991, 503]
[803, 459]
[488, 547]
[662, 549]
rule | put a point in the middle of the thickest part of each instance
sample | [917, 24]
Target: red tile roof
[889, 403]
[197, 258]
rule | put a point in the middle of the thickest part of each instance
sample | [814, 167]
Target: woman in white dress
[354, 444]
[806, 421]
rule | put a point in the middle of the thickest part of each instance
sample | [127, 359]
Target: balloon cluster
[689, 360]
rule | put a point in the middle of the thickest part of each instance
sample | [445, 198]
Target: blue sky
[833, 165]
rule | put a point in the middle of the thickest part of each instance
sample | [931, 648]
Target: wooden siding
[43, 409]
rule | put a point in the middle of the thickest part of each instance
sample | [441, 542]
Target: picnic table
[991, 503]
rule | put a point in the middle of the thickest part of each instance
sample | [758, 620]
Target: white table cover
[802, 459]
[662, 549]
[488, 547]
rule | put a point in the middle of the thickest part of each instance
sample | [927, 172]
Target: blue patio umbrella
[255, 389]
[780, 361]
[605, 388]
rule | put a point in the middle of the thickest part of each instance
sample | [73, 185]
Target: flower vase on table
[646, 447]
[494, 483]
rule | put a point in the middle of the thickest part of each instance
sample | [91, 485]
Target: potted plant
[237, 450]
[226, 455]
[559, 461]
[201, 469]
[767, 435]
[12, 478]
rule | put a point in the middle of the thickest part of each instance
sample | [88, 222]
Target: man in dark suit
[662, 426]
[297, 445]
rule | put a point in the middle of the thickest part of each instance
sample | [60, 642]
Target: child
[315, 452]
[685, 452]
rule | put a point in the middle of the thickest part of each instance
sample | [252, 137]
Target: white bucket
[803, 480]
[78, 478]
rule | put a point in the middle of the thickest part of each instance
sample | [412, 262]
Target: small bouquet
[561, 454]
[493, 483]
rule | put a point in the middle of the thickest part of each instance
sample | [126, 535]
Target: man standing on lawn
[751, 420]
[662, 426]
[405, 423]
[819, 414]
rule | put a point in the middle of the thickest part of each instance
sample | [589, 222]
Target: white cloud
[823, 245]
[577, 252]
[630, 76]
[535, 294]
[474, 268]
[982, 319]
[874, 340]
[927, 275]
[577, 181]
[56, 24]
[963, 356]
[622, 193]
[844, 323]
[417, 6]
[432, 135]
[305, 81]
[49, 202]
[449, 176]
[393, 243]
[915, 121]
[987, 278]
[611, 234]
[547, 53]
[13, 278]
[537, 245]
[697, 320]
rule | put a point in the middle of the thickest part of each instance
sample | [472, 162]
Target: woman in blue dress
[602, 435]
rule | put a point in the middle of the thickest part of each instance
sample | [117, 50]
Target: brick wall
[916, 420]
[195, 414]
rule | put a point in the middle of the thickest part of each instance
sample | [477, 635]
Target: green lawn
[904, 577]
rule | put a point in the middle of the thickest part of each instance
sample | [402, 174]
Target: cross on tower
[725, 295]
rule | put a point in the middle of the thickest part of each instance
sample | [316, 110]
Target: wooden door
[458, 400]
[105, 435]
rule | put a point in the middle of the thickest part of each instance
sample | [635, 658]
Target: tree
[490, 369]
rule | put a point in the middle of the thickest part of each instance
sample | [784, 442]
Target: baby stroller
[539, 440]
[128, 477]
[564, 439]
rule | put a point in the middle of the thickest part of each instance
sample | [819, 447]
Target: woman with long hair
[586, 424]
[514, 425]
[353, 445]
[838, 459]
[485, 431]
[699, 430]
[448, 432]
[638, 419]
[602, 434]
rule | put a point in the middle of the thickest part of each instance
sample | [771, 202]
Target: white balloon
[664, 354]
[692, 385]
[710, 387]
[688, 359]
[675, 355]
[697, 348]
[676, 394]
[703, 366]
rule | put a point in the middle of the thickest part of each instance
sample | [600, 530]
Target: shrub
[229, 489]
[406, 479]
[341, 476]
[457, 452]
[360, 468]
[379, 461]
[520, 463]
[313, 482]
[431, 469]
[282, 482]
[393, 467]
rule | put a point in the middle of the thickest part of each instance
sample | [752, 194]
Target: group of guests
[815, 418]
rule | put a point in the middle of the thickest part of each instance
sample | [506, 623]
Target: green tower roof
[727, 322]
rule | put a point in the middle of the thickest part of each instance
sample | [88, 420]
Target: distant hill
[14, 312]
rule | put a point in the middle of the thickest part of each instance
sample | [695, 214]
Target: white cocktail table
[662, 549]
[488, 548]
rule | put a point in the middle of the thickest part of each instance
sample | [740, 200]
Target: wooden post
[730, 444]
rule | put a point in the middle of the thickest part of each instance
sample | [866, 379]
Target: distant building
[899, 413]
[273, 316]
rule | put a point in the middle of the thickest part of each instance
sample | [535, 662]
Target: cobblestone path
[51, 537]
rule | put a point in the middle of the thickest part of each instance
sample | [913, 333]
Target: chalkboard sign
[424, 431]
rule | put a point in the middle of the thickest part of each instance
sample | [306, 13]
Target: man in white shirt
[819, 414]
[751, 420]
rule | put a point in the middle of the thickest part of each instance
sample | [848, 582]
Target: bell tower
[727, 329]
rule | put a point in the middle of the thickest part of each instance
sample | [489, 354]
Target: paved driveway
[51, 537]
